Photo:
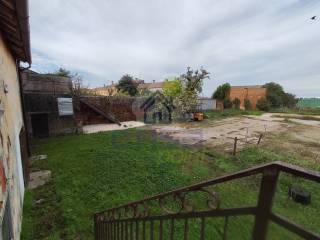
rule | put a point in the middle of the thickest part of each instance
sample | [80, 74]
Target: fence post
[235, 146]
[260, 137]
[267, 191]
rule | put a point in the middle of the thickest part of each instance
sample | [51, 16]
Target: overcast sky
[243, 42]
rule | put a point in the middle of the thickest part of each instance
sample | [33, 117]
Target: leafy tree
[62, 72]
[263, 104]
[236, 102]
[172, 88]
[247, 104]
[278, 97]
[290, 100]
[222, 91]
[191, 82]
[227, 103]
[127, 85]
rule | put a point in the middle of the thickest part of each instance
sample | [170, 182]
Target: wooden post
[235, 146]
[260, 137]
[267, 191]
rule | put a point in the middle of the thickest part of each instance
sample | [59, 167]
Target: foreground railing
[183, 214]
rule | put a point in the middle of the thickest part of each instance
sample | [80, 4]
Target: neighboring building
[48, 104]
[153, 86]
[14, 48]
[252, 93]
[111, 90]
[206, 103]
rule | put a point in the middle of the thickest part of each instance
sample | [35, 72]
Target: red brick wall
[251, 93]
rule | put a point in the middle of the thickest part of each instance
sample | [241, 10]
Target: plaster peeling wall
[10, 127]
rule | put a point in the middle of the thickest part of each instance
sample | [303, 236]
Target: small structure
[206, 103]
[251, 93]
[48, 104]
[157, 108]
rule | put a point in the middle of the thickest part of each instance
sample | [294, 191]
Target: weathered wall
[253, 93]
[47, 104]
[11, 123]
[122, 108]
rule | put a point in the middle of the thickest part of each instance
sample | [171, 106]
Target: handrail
[285, 167]
[139, 211]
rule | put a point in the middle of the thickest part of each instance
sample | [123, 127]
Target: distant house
[14, 49]
[48, 104]
[111, 90]
[252, 93]
[153, 86]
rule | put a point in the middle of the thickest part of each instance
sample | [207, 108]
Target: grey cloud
[239, 41]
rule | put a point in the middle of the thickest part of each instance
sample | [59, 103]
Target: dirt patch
[94, 128]
[246, 128]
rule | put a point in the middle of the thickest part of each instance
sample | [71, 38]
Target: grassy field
[98, 171]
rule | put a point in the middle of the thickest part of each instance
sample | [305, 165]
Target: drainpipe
[19, 70]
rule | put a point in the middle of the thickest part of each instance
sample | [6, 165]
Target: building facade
[252, 93]
[48, 104]
[14, 48]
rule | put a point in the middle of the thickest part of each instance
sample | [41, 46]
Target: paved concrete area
[111, 127]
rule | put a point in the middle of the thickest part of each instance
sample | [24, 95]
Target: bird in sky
[314, 18]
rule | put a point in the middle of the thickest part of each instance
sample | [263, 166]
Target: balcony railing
[183, 214]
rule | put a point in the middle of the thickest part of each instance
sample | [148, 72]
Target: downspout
[19, 70]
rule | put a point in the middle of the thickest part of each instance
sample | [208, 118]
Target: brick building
[252, 93]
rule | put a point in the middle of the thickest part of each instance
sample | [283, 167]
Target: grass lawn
[217, 115]
[98, 171]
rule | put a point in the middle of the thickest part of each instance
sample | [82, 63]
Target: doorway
[40, 127]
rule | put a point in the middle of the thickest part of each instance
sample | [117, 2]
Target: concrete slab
[111, 127]
[39, 178]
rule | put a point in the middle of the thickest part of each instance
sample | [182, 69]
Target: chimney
[153, 81]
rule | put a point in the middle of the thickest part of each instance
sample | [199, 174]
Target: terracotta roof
[14, 26]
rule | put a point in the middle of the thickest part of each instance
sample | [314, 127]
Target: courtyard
[94, 172]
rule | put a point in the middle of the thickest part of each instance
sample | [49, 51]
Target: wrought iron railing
[175, 215]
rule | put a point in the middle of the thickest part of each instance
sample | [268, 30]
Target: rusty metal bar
[151, 230]
[292, 227]
[202, 231]
[172, 229]
[186, 229]
[267, 191]
[225, 228]
[161, 230]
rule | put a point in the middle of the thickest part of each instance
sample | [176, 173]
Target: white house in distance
[14, 48]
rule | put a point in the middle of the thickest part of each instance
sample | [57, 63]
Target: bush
[227, 103]
[247, 104]
[236, 103]
[263, 104]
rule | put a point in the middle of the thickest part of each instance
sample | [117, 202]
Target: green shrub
[236, 103]
[263, 104]
[247, 104]
[227, 103]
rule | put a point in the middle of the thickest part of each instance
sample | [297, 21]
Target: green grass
[301, 111]
[99, 171]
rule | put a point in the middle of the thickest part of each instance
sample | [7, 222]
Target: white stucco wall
[10, 128]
